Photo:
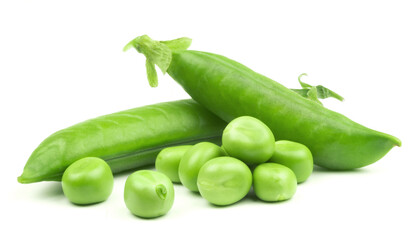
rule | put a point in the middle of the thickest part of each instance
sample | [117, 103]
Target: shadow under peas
[85, 205]
[133, 216]
[51, 190]
[318, 169]
[194, 194]
[251, 196]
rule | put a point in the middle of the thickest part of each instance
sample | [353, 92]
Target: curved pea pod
[230, 89]
[125, 140]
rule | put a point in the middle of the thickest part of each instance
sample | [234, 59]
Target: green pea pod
[125, 140]
[230, 89]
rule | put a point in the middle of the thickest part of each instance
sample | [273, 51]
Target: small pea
[249, 140]
[148, 194]
[224, 180]
[168, 161]
[193, 160]
[295, 156]
[88, 180]
[274, 182]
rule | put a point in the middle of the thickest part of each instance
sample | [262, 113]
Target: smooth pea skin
[88, 180]
[224, 180]
[168, 161]
[295, 156]
[249, 140]
[194, 159]
[274, 182]
[148, 194]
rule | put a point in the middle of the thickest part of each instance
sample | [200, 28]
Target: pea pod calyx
[315, 92]
[157, 53]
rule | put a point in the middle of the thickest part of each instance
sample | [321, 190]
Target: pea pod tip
[397, 141]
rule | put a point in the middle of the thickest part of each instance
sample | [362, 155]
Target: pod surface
[125, 140]
[230, 89]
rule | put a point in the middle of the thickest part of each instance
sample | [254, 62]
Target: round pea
[168, 161]
[148, 194]
[88, 180]
[274, 182]
[193, 160]
[249, 140]
[224, 180]
[295, 156]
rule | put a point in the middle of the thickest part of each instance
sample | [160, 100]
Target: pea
[274, 182]
[193, 160]
[249, 140]
[224, 180]
[88, 180]
[168, 161]
[295, 156]
[148, 194]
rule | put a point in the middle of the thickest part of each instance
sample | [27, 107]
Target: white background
[62, 63]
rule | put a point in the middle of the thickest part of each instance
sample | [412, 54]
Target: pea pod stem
[315, 92]
[157, 53]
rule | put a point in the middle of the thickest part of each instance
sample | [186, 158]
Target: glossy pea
[193, 160]
[295, 156]
[224, 180]
[249, 140]
[88, 180]
[148, 194]
[168, 161]
[274, 182]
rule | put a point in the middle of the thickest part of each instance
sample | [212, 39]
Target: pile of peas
[249, 156]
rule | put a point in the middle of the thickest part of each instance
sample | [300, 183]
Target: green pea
[249, 140]
[224, 180]
[148, 194]
[295, 156]
[88, 180]
[193, 160]
[168, 161]
[274, 182]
